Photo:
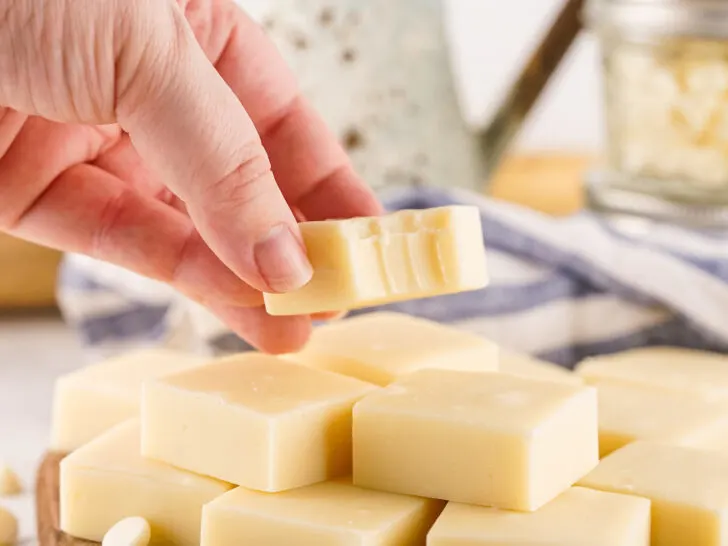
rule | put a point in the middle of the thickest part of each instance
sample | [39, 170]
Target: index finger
[192, 129]
[311, 167]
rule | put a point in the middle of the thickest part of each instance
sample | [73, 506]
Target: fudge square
[477, 438]
[688, 488]
[577, 517]
[332, 513]
[632, 412]
[382, 346]
[689, 371]
[407, 254]
[107, 480]
[95, 398]
[253, 420]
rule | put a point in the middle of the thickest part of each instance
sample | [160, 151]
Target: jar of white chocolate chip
[665, 68]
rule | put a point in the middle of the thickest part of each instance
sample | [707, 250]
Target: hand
[169, 138]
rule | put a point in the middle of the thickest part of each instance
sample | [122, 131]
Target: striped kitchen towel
[561, 289]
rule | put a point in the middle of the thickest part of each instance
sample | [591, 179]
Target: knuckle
[250, 180]
[110, 217]
[190, 244]
[149, 38]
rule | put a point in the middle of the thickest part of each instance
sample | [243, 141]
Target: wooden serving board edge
[47, 493]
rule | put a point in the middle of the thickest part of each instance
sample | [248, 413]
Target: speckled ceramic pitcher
[378, 71]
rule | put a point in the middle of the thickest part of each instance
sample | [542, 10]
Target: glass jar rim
[701, 18]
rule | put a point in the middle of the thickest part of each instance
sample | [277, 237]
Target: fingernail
[282, 261]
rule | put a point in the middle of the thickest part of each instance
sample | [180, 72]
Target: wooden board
[47, 505]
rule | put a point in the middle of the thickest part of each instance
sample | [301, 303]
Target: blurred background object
[666, 86]
[27, 275]
[379, 73]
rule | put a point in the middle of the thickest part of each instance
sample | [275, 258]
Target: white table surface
[33, 352]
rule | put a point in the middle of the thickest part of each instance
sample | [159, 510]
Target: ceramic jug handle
[496, 137]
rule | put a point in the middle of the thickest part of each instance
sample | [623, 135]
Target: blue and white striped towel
[561, 289]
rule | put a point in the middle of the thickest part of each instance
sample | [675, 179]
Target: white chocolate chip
[132, 531]
[9, 481]
[669, 114]
[8, 528]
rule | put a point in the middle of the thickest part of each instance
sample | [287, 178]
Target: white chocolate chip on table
[132, 531]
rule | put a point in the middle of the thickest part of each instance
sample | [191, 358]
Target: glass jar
[665, 71]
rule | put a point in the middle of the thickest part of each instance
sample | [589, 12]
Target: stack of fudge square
[385, 430]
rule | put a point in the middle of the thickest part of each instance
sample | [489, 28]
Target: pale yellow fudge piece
[93, 399]
[9, 481]
[688, 371]
[577, 517]
[253, 420]
[133, 531]
[714, 439]
[628, 413]
[383, 346]
[688, 489]
[107, 480]
[408, 254]
[326, 514]
[8, 528]
[522, 365]
[477, 438]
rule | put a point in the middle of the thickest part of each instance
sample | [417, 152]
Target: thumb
[190, 127]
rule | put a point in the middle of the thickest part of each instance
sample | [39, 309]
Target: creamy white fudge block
[688, 371]
[380, 347]
[628, 412]
[523, 365]
[332, 513]
[476, 438]
[408, 254]
[714, 438]
[577, 517]
[93, 399]
[688, 489]
[107, 480]
[253, 420]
